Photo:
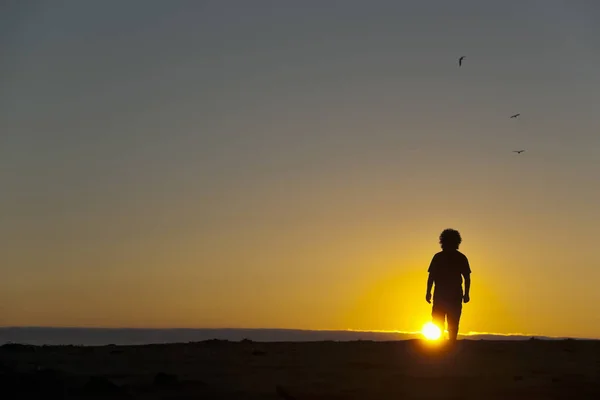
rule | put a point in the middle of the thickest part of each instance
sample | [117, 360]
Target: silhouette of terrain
[219, 369]
[124, 336]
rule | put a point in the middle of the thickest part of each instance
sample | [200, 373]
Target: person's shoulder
[464, 261]
[435, 261]
[438, 254]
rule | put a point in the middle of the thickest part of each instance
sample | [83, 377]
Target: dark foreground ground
[322, 370]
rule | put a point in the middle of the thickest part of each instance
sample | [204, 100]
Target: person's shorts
[443, 311]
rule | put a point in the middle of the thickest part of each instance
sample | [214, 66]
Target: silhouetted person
[446, 271]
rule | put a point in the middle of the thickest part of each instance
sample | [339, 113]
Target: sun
[431, 331]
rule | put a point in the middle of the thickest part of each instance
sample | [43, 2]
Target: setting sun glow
[431, 331]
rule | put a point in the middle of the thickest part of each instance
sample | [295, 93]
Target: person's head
[450, 239]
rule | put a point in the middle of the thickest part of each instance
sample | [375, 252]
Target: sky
[273, 164]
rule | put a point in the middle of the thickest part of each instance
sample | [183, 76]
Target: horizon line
[469, 333]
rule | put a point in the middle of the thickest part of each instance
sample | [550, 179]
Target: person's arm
[467, 276]
[430, 280]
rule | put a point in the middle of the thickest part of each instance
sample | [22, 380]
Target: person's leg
[454, 312]
[438, 315]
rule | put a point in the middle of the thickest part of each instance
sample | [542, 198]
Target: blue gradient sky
[290, 164]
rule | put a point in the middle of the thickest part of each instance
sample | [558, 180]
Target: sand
[411, 369]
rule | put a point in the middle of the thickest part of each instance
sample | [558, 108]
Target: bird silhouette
[515, 116]
[460, 60]
[518, 151]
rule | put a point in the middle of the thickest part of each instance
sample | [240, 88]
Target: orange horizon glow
[391, 332]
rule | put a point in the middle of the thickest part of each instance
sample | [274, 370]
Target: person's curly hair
[450, 239]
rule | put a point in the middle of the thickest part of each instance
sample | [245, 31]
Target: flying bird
[460, 60]
[518, 151]
[515, 116]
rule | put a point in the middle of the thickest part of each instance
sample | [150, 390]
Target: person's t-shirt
[447, 269]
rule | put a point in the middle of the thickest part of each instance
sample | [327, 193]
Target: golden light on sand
[431, 331]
